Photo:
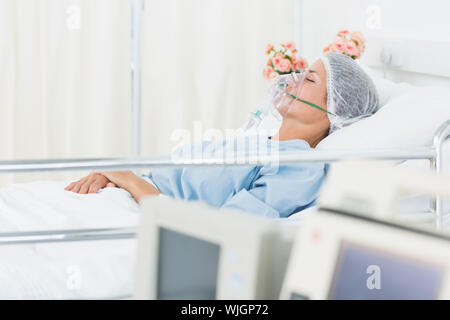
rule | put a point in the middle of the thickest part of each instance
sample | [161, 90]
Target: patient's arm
[127, 180]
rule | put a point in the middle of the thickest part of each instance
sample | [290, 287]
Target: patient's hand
[136, 186]
[90, 184]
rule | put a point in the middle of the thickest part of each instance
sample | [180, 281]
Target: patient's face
[314, 90]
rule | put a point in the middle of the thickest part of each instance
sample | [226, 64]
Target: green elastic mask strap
[311, 104]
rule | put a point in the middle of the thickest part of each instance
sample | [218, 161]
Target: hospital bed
[58, 245]
[83, 246]
[61, 245]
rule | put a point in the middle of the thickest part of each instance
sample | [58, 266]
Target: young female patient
[344, 94]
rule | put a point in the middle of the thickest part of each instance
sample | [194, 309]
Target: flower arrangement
[349, 43]
[283, 60]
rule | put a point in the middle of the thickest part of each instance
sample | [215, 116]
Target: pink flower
[301, 64]
[327, 49]
[269, 48]
[343, 33]
[280, 56]
[338, 45]
[358, 37]
[273, 75]
[351, 49]
[284, 65]
[268, 72]
[360, 47]
[276, 61]
[269, 62]
[349, 43]
[289, 46]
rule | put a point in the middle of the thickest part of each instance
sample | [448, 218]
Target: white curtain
[65, 83]
[203, 61]
[64, 80]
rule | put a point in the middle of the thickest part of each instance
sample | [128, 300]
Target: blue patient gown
[272, 190]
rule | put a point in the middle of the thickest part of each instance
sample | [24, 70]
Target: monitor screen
[187, 267]
[371, 274]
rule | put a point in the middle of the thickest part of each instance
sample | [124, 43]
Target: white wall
[412, 19]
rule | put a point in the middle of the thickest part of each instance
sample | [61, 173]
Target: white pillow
[387, 89]
[410, 119]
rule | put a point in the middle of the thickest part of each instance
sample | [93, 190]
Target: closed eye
[310, 80]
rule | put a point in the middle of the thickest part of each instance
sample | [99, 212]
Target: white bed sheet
[74, 270]
[92, 270]
[46, 205]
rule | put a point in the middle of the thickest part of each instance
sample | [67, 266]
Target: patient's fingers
[78, 185]
[93, 188]
[90, 184]
[70, 186]
[77, 188]
[84, 188]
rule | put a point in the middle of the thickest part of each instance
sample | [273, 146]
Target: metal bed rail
[147, 163]
[434, 154]
[53, 236]
[437, 164]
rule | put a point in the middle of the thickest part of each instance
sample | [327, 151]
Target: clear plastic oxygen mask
[280, 98]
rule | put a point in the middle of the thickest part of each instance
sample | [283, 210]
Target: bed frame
[433, 153]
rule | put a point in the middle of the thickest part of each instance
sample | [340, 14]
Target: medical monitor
[188, 250]
[343, 256]
[187, 267]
